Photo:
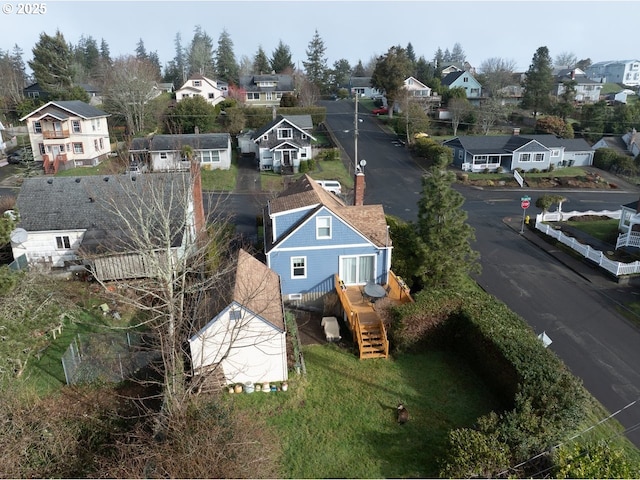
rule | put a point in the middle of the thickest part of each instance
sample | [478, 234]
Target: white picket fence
[616, 268]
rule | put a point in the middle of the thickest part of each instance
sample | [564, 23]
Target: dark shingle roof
[284, 83]
[495, 144]
[200, 141]
[302, 122]
[451, 77]
[62, 109]
[86, 203]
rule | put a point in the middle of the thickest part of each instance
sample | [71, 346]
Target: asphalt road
[596, 343]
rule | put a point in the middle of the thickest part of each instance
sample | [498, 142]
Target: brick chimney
[358, 189]
[198, 203]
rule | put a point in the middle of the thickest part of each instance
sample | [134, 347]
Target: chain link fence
[106, 357]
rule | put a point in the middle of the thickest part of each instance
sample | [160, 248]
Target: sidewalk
[580, 265]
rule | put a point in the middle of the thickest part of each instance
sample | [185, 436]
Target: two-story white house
[199, 85]
[625, 72]
[467, 81]
[68, 134]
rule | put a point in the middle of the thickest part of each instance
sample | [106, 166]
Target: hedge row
[545, 402]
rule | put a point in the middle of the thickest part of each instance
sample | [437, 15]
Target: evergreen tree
[261, 62]
[411, 55]
[176, 69]
[105, 55]
[13, 79]
[457, 54]
[316, 65]
[190, 113]
[340, 73]
[200, 57]
[154, 60]
[226, 65]
[358, 70]
[446, 57]
[446, 255]
[389, 74]
[281, 59]
[538, 82]
[51, 65]
[141, 51]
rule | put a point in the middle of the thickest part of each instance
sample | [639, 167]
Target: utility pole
[355, 139]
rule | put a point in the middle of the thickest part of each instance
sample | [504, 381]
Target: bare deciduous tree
[459, 108]
[490, 113]
[565, 60]
[496, 73]
[130, 86]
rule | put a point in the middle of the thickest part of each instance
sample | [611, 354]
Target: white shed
[247, 339]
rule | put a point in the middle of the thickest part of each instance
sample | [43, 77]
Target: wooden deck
[367, 327]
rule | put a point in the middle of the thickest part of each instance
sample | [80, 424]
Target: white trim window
[285, 133]
[163, 155]
[197, 83]
[539, 157]
[37, 127]
[555, 152]
[78, 148]
[63, 243]
[75, 126]
[210, 156]
[269, 96]
[323, 228]
[298, 267]
[357, 269]
[525, 157]
[253, 95]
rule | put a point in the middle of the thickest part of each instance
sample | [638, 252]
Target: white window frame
[197, 83]
[75, 126]
[235, 315]
[297, 263]
[324, 228]
[210, 156]
[282, 132]
[555, 152]
[163, 155]
[525, 157]
[78, 148]
[37, 127]
[253, 96]
[538, 157]
[269, 96]
[63, 242]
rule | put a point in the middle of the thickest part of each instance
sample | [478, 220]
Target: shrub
[304, 166]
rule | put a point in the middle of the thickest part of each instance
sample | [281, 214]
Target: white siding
[42, 247]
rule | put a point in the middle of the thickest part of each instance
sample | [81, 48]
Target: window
[460, 154]
[37, 127]
[101, 143]
[253, 95]
[357, 269]
[265, 137]
[539, 157]
[163, 155]
[284, 133]
[323, 227]
[555, 153]
[197, 83]
[303, 136]
[41, 148]
[212, 96]
[235, 315]
[75, 126]
[465, 79]
[298, 267]
[77, 148]
[210, 156]
[95, 143]
[63, 242]
[269, 96]
[525, 157]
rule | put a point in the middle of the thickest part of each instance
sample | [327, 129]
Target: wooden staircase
[372, 341]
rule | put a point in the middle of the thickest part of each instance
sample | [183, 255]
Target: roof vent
[106, 179]
[50, 181]
[91, 199]
[77, 180]
[133, 178]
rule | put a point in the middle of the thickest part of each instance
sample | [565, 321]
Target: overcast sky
[357, 30]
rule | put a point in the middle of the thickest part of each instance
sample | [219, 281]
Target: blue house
[526, 152]
[310, 235]
[465, 80]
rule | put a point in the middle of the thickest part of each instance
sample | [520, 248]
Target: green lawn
[217, 180]
[339, 422]
[325, 170]
[605, 230]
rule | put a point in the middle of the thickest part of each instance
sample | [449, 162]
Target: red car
[380, 111]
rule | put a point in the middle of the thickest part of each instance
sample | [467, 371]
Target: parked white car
[332, 186]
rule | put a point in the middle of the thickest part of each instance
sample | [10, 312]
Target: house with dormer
[265, 90]
[68, 134]
[524, 152]
[199, 85]
[311, 235]
[282, 144]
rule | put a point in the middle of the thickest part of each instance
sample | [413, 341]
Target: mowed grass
[604, 230]
[325, 170]
[339, 421]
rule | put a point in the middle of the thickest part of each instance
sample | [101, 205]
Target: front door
[286, 158]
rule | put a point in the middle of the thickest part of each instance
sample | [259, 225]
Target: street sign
[525, 202]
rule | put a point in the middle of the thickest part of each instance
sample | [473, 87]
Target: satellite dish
[19, 235]
[363, 163]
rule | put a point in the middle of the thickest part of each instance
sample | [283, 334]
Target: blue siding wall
[285, 221]
[341, 234]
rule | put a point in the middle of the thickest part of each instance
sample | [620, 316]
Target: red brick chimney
[358, 189]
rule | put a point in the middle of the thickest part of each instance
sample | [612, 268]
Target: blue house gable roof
[311, 235]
